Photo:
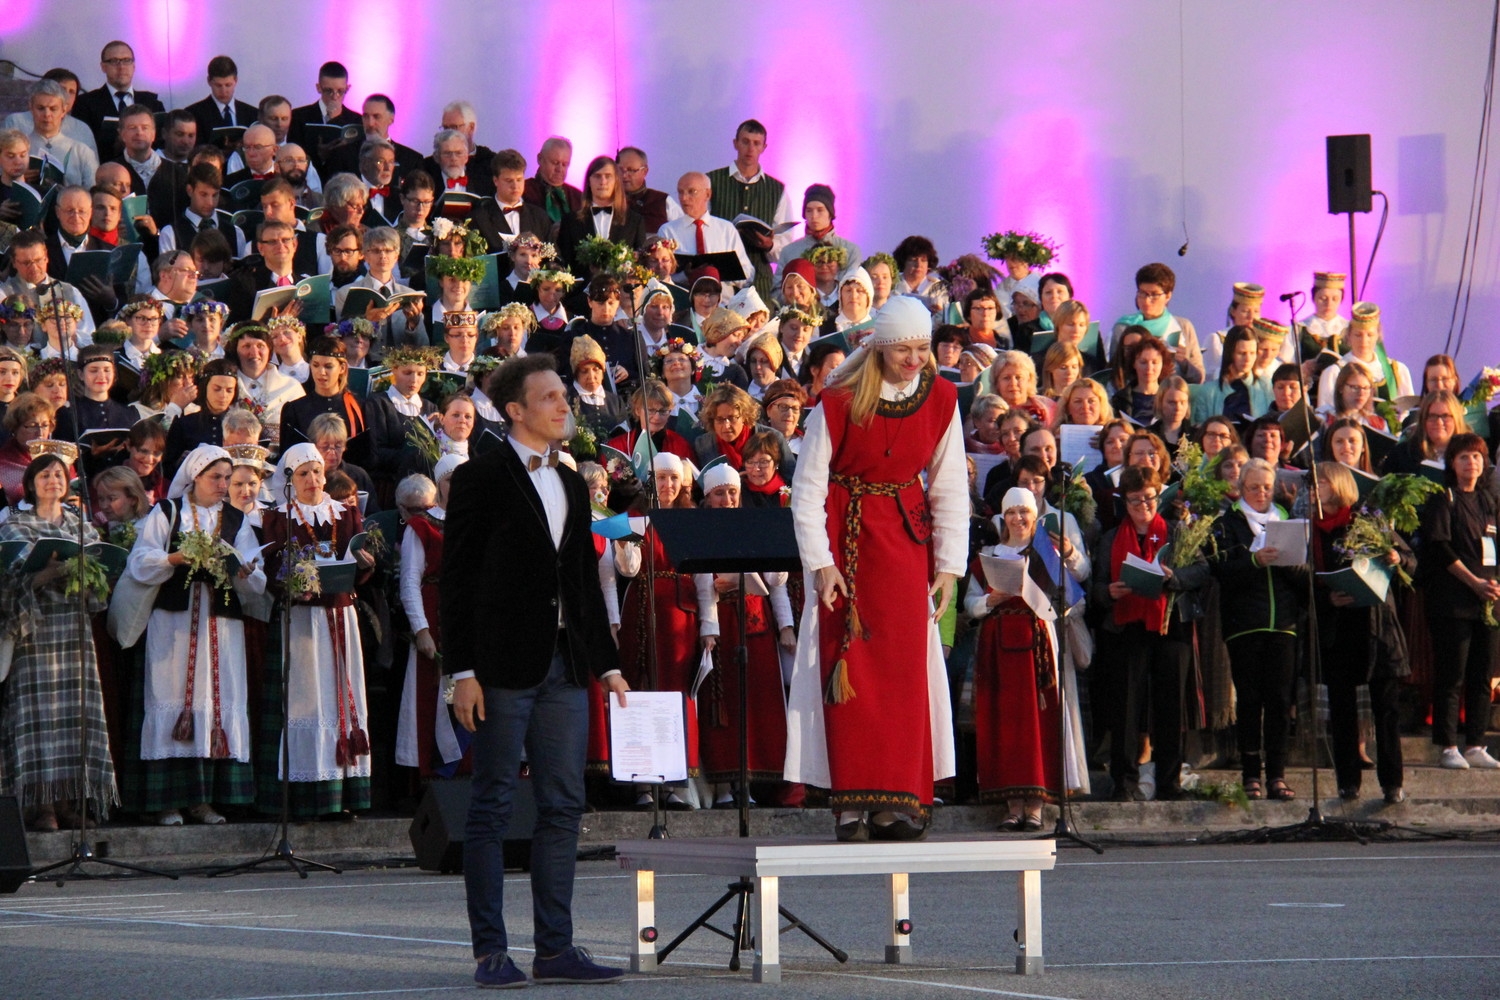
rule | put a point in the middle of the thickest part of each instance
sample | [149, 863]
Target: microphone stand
[83, 851]
[1064, 830]
[1316, 826]
[283, 852]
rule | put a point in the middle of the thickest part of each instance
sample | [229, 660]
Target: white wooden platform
[764, 862]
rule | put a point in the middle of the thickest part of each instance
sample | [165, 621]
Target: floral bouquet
[85, 574]
[121, 533]
[601, 255]
[203, 552]
[299, 572]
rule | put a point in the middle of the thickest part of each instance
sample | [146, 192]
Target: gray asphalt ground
[1303, 921]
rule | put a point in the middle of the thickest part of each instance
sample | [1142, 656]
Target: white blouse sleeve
[1079, 566]
[607, 583]
[148, 558]
[781, 602]
[708, 604]
[413, 565]
[247, 546]
[627, 559]
[976, 598]
[810, 492]
[948, 499]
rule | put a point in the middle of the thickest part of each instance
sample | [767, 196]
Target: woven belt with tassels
[839, 689]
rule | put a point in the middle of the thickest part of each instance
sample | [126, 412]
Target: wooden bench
[764, 862]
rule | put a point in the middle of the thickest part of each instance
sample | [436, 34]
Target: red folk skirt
[1015, 719]
[765, 706]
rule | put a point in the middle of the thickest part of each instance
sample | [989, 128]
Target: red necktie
[701, 248]
[283, 281]
[384, 192]
[260, 177]
[454, 182]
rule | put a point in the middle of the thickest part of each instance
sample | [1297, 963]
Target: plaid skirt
[39, 722]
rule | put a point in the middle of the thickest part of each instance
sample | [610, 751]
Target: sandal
[1280, 792]
[1254, 789]
[1010, 824]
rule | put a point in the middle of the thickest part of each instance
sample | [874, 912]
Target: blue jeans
[550, 721]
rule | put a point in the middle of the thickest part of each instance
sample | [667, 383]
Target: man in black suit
[451, 165]
[100, 109]
[508, 215]
[220, 109]
[277, 244]
[328, 109]
[378, 115]
[524, 628]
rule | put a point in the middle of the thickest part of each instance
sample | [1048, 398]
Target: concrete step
[1421, 781]
[372, 839]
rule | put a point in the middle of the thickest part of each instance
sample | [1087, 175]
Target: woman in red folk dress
[768, 621]
[1016, 693]
[870, 716]
[676, 606]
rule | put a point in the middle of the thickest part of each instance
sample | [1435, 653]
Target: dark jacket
[1185, 583]
[501, 569]
[492, 225]
[1379, 628]
[625, 228]
[1253, 598]
[1453, 526]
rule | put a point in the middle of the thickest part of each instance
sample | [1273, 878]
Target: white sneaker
[1146, 781]
[1480, 757]
[1453, 760]
[169, 817]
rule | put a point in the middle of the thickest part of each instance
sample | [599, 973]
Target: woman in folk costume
[1390, 378]
[426, 736]
[870, 717]
[675, 601]
[39, 710]
[768, 621]
[328, 747]
[195, 734]
[1016, 692]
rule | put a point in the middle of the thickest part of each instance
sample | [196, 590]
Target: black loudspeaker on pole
[1349, 183]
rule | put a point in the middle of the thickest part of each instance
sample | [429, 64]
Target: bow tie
[507, 209]
[602, 210]
[260, 177]
[535, 462]
[384, 192]
[454, 182]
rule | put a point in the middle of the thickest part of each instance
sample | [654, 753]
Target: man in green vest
[743, 188]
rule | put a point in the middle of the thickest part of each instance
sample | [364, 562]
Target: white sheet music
[648, 738]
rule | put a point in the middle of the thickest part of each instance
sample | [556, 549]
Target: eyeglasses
[785, 407]
[120, 61]
[1442, 418]
[656, 412]
[731, 419]
[342, 251]
[191, 272]
[759, 463]
[284, 242]
[1151, 296]
[418, 202]
[1146, 501]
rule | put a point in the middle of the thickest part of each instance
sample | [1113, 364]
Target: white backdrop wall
[1098, 122]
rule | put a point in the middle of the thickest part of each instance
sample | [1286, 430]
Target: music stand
[739, 541]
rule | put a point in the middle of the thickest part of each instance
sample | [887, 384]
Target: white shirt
[1323, 329]
[782, 215]
[406, 407]
[144, 169]
[484, 407]
[719, 236]
[1327, 404]
[449, 365]
[77, 161]
[167, 238]
[947, 492]
[135, 357]
[596, 398]
[602, 222]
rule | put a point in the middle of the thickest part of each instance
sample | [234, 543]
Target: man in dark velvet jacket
[524, 628]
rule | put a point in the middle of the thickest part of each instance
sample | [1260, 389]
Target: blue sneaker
[498, 972]
[575, 965]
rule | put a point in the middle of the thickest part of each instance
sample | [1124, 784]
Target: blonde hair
[1340, 483]
[863, 380]
[1058, 355]
[1067, 309]
[1081, 385]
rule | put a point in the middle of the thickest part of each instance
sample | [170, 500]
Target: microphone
[1289, 296]
[1182, 250]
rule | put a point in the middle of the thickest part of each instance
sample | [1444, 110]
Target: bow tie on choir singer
[537, 461]
[461, 181]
